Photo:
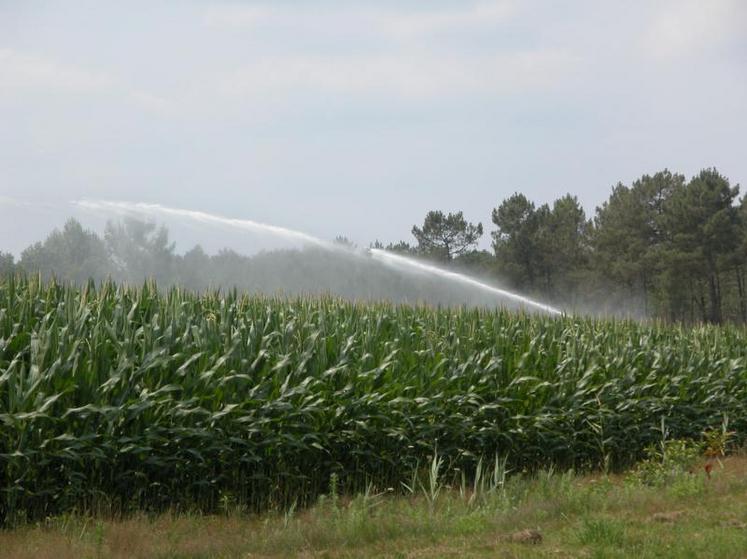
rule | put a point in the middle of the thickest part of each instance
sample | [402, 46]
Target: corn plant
[128, 398]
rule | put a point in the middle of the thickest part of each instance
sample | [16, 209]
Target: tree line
[662, 247]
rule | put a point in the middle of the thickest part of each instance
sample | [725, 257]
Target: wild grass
[575, 516]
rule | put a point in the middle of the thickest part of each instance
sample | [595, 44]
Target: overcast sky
[356, 118]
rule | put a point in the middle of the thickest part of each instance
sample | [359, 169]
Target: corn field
[136, 399]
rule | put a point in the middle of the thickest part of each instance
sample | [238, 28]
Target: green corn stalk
[130, 398]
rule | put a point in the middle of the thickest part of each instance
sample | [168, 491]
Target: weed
[602, 531]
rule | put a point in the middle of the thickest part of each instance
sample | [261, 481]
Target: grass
[595, 516]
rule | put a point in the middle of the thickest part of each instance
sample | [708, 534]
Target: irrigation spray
[401, 263]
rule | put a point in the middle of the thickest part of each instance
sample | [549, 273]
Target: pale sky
[356, 118]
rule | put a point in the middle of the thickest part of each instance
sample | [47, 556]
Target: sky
[356, 118]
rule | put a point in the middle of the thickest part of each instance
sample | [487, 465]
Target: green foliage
[487, 483]
[543, 249]
[702, 222]
[667, 462]
[7, 264]
[446, 236]
[516, 240]
[146, 400]
[663, 247]
[140, 250]
[432, 490]
[602, 531]
[717, 441]
[73, 254]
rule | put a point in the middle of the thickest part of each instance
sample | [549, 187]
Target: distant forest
[663, 248]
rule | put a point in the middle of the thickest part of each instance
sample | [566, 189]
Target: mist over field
[133, 251]
[664, 248]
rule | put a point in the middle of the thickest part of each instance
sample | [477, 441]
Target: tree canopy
[446, 236]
